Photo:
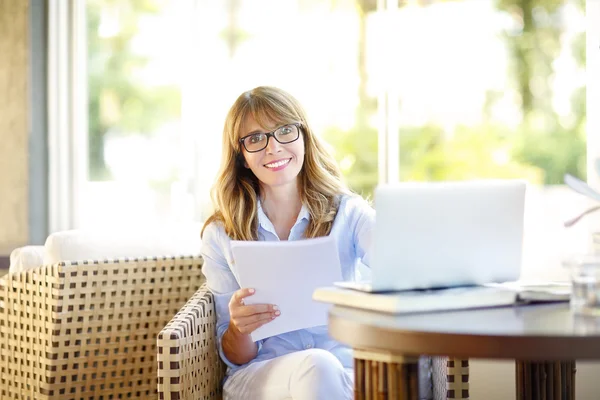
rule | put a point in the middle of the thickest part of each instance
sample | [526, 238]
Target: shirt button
[308, 346]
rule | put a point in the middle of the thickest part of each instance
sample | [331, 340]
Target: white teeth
[277, 164]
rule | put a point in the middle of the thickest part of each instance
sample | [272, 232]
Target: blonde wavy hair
[236, 191]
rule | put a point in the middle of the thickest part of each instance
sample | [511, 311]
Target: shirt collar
[264, 221]
[303, 214]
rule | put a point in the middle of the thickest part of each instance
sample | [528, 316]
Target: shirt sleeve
[362, 224]
[220, 280]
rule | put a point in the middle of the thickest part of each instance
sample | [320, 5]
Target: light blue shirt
[353, 229]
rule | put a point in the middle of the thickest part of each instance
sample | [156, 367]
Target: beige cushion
[26, 257]
[77, 245]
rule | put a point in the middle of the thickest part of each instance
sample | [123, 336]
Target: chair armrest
[450, 377]
[189, 367]
[458, 378]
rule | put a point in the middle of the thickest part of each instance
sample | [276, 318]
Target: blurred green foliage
[541, 149]
[118, 99]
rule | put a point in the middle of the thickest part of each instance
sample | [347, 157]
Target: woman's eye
[256, 138]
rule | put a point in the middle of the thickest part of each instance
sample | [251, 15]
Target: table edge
[531, 347]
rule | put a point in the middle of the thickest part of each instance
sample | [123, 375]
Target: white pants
[313, 374]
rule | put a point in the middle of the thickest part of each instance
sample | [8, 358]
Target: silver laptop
[446, 234]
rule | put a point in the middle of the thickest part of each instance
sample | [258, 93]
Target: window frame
[593, 89]
[67, 111]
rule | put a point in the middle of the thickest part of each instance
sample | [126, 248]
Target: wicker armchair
[87, 330]
[189, 367]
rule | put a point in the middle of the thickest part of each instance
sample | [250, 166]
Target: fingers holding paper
[248, 318]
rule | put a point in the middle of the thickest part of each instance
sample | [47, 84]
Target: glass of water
[585, 280]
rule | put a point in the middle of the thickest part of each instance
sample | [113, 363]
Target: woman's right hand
[246, 319]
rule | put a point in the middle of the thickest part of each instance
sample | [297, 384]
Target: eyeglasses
[259, 141]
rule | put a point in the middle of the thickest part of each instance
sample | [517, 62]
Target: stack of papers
[536, 291]
[286, 273]
[415, 301]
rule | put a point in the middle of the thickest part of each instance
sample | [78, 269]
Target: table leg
[545, 380]
[382, 375]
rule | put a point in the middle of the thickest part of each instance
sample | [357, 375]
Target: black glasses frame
[269, 135]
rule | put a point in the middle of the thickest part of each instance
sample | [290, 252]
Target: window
[486, 89]
[162, 76]
[402, 90]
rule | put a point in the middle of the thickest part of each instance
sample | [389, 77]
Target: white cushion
[25, 258]
[76, 245]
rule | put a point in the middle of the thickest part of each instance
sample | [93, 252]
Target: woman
[277, 182]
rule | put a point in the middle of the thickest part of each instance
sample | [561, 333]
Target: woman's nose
[273, 146]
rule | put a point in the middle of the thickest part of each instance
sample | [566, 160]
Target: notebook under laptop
[446, 234]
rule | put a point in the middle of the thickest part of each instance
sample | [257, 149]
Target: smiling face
[277, 164]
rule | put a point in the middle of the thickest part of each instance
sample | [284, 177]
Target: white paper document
[286, 273]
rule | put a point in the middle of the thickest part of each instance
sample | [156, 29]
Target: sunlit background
[401, 90]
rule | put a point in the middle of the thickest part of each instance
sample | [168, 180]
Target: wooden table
[545, 340]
